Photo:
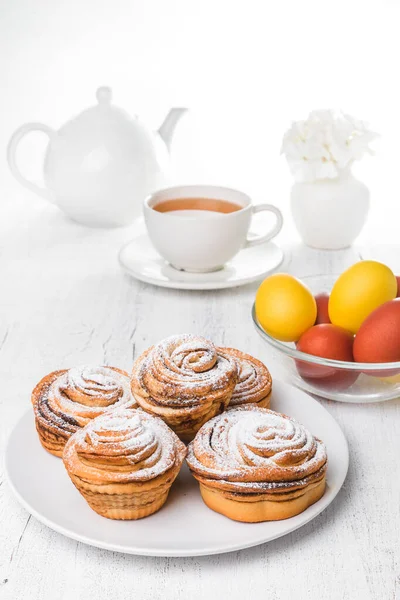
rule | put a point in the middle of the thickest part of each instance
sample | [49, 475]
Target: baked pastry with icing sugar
[254, 382]
[185, 380]
[124, 463]
[255, 465]
[64, 401]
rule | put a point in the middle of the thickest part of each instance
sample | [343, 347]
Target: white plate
[140, 259]
[184, 526]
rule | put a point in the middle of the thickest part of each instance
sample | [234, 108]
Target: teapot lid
[103, 113]
[104, 106]
[104, 95]
[106, 130]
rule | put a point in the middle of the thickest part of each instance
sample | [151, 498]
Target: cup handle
[11, 151]
[274, 231]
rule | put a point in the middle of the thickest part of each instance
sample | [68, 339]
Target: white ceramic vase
[329, 214]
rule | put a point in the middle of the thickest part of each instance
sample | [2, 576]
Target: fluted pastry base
[51, 441]
[123, 463]
[255, 508]
[124, 501]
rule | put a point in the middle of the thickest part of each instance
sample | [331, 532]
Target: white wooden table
[65, 301]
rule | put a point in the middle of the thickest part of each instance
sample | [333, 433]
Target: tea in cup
[198, 228]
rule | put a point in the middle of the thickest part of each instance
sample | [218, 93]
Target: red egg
[322, 308]
[398, 285]
[378, 339]
[328, 341]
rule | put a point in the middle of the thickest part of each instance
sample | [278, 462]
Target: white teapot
[101, 165]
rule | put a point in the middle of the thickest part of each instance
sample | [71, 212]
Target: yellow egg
[285, 307]
[358, 291]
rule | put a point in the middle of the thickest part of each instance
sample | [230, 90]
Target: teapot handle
[11, 150]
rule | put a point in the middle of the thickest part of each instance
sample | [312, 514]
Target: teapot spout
[167, 128]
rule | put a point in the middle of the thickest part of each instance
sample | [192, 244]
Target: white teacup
[203, 240]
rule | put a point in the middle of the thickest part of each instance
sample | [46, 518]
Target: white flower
[325, 144]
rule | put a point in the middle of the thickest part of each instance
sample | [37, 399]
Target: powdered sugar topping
[124, 445]
[86, 392]
[255, 447]
[183, 370]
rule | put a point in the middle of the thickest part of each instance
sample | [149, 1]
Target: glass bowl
[332, 379]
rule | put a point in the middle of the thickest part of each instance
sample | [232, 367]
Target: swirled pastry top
[254, 382]
[249, 449]
[123, 446]
[183, 371]
[69, 399]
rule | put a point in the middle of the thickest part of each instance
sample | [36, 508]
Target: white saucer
[184, 526]
[140, 259]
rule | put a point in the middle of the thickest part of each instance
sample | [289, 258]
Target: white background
[245, 69]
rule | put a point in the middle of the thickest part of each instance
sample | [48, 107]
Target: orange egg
[328, 341]
[378, 339]
[398, 285]
[322, 301]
